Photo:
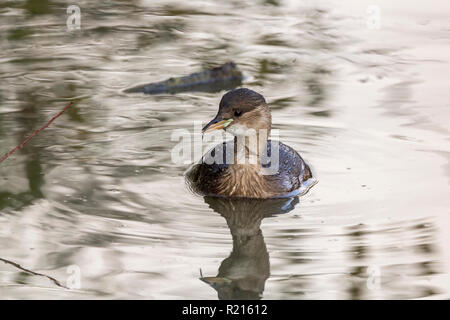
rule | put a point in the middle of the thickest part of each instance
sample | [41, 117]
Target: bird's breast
[243, 181]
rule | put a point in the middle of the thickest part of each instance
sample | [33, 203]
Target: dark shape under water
[250, 166]
[225, 77]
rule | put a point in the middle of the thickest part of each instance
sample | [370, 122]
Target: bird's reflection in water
[242, 275]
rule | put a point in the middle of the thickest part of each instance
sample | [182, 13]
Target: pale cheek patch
[239, 130]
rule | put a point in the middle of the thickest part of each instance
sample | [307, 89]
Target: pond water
[96, 202]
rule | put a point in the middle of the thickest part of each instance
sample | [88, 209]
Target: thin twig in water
[20, 146]
[33, 273]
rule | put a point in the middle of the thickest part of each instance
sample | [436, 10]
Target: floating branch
[20, 146]
[33, 273]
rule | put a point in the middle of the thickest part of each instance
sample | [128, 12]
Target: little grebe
[228, 169]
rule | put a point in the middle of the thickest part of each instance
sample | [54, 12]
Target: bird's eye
[237, 113]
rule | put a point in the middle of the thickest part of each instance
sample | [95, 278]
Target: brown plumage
[228, 170]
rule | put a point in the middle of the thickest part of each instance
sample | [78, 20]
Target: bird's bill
[214, 281]
[217, 125]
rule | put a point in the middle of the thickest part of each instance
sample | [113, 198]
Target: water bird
[242, 167]
[223, 77]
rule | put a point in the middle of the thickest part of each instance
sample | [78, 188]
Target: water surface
[367, 108]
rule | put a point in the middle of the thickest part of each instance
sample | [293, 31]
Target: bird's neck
[250, 148]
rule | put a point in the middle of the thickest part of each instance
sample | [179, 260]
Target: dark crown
[242, 98]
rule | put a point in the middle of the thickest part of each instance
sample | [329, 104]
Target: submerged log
[225, 77]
